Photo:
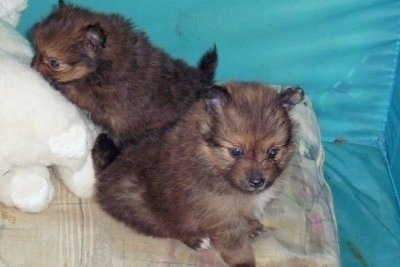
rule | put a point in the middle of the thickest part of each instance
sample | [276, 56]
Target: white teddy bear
[39, 128]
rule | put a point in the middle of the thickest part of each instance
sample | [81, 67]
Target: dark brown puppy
[104, 65]
[209, 176]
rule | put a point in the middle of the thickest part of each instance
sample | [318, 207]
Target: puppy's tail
[208, 64]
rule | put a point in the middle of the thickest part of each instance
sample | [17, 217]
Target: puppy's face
[248, 137]
[67, 45]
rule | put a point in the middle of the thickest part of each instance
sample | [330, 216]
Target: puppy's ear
[95, 37]
[215, 97]
[290, 97]
[61, 3]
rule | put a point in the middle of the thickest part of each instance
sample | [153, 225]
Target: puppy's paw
[104, 151]
[256, 229]
[198, 243]
[256, 233]
[205, 243]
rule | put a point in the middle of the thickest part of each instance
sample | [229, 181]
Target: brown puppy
[103, 65]
[209, 176]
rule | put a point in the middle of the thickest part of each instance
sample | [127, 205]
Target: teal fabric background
[367, 216]
[341, 52]
[345, 56]
[392, 134]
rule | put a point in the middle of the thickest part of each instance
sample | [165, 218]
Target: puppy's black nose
[256, 181]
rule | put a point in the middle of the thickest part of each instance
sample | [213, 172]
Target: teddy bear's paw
[31, 192]
[81, 182]
[71, 144]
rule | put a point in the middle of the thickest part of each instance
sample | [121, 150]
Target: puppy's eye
[236, 152]
[272, 153]
[54, 63]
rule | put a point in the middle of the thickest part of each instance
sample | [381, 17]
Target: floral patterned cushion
[75, 232]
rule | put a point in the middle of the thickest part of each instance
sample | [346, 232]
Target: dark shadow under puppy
[209, 176]
[104, 65]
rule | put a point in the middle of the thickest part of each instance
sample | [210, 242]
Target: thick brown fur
[104, 65]
[209, 175]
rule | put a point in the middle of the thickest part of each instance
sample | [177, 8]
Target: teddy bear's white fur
[39, 128]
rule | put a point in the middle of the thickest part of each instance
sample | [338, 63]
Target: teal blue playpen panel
[392, 134]
[343, 53]
[368, 218]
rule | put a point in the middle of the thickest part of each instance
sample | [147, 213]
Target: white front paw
[71, 144]
[205, 243]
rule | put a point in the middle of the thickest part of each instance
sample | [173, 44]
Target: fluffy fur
[40, 128]
[104, 65]
[209, 175]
